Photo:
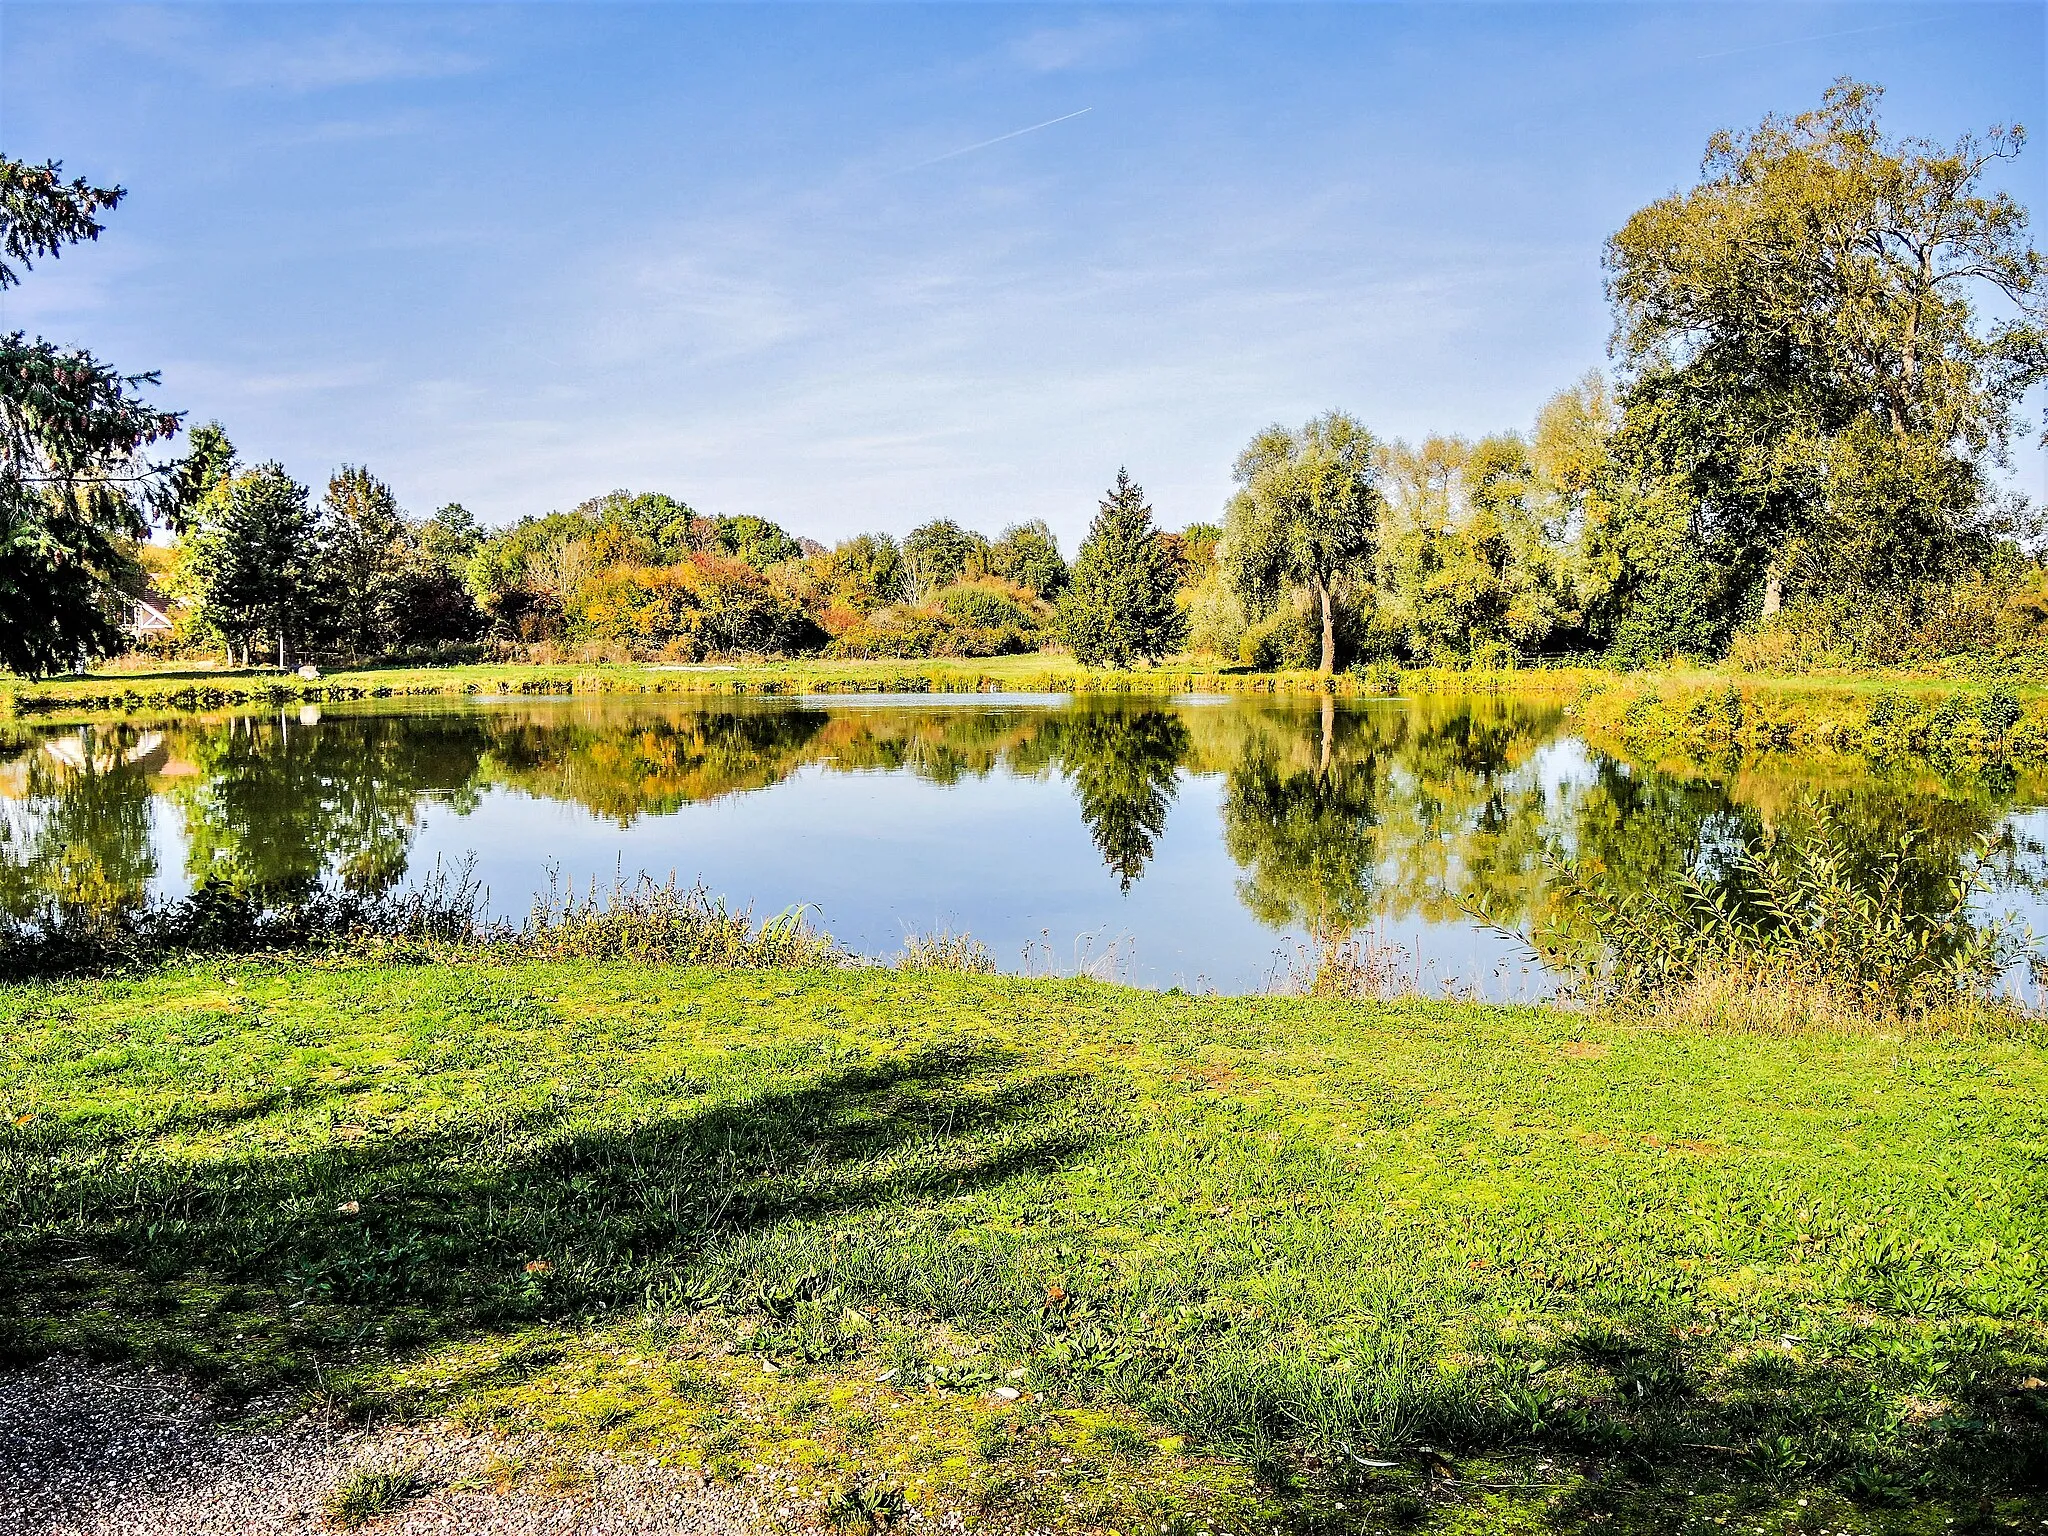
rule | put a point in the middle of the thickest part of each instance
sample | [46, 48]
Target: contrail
[1015, 133]
[1786, 42]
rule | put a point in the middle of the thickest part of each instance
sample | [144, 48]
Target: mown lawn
[1061, 1254]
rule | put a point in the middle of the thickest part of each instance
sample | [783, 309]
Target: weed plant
[369, 1493]
[944, 950]
[661, 922]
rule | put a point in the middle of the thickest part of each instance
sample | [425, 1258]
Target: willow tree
[1306, 518]
[1825, 344]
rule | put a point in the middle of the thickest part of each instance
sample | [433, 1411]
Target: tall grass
[634, 918]
[664, 922]
[1793, 929]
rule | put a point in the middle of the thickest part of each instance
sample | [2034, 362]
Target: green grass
[1057, 1253]
[367, 1493]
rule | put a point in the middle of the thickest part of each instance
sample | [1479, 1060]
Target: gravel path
[89, 1450]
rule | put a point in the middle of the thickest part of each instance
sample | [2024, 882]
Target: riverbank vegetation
[1822, 348]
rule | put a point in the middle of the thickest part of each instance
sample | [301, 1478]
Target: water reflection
[1332, 817]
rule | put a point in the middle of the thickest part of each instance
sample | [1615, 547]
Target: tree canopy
[1813, 388]
[1307, 516]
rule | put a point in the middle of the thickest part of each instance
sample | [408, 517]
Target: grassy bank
[1059, 1254]
[207, 689]
[1684, 712]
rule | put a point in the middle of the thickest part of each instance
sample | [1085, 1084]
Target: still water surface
[1187, 841]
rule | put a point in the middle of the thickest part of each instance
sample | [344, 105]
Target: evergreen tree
[75, 486]
[366, 549]
[253, 566]
[1126, 770]
[1118, 604]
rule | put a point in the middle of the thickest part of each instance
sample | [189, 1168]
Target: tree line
[1820, 354]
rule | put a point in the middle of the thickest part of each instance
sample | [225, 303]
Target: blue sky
[516, 256]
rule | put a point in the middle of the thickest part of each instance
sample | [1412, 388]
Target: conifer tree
[252, 565]
[1119, 602]
[75, 484]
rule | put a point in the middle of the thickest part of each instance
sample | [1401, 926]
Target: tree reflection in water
[1337, 816]
[1125, 768]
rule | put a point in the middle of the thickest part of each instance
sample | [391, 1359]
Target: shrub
[704, 606]
[1794, 913]
[980, 618]
[986, 604]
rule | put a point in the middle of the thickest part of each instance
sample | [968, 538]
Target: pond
[1194, 842]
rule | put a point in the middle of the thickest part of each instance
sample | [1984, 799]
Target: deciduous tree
[1809, 360]
[1307, 516]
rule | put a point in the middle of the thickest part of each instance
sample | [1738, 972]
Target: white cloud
[351, 54]
[1095, 42]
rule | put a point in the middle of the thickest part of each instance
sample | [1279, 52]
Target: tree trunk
[1329, 731]
[1329, 627]
[1774, 589]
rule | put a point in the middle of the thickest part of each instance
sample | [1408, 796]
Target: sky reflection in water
[1191, 842]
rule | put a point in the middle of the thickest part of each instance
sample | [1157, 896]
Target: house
[151, 617]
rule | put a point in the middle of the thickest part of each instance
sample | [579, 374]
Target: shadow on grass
[277, 1265]
[288, 1263]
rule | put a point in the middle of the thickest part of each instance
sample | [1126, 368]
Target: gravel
[89, 1450]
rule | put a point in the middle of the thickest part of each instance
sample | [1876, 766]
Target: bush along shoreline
[1993, 723]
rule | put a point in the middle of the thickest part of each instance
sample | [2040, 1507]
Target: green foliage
[452, 536]
[937, 554]
[985, 605]
[1215, 614]
[40, 213]
[985, 617]
[699, 607]
[75, 484]
[1028, 555]
[1119, 603]
[366, 547]
[1796, 907]
[369, 1493]
[251, 568]
[1194, 552]
[1808, 367]
[1307, 516]
[945, 950]
[754, 541]
[652, 922]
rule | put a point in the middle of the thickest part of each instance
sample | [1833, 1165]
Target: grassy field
[1058, 1254]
